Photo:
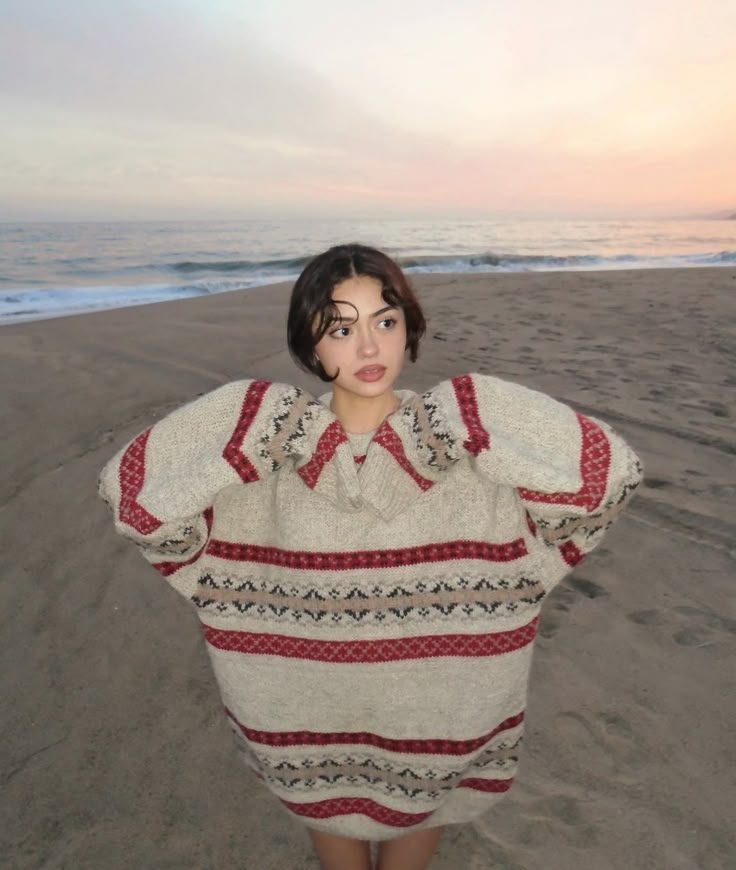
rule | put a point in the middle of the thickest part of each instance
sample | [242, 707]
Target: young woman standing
[369, 566]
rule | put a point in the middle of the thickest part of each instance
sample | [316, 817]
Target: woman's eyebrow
[375, 313]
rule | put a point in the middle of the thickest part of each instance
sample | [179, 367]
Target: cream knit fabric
[370, 602]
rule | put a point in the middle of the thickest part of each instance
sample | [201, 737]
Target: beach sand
[116, 752]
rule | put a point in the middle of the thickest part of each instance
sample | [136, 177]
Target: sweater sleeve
[161, 486]
[573, 473]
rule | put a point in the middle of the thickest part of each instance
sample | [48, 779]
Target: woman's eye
[342, 331]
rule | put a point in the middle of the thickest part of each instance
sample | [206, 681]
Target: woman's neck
[358, 414]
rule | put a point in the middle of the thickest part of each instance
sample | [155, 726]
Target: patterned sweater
[370, 602]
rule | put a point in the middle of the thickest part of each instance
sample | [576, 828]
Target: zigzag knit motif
[369, 602]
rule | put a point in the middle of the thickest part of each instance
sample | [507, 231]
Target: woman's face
[376, 338]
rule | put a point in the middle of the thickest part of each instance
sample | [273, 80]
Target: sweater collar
[409, 453]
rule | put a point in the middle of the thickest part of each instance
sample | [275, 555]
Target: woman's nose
[367, 345]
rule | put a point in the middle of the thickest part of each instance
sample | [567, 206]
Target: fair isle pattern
[595, 459]
[300, 606]
[131, 475]
[332, 807]
[354, 559]
[498, 766]
[233, 452]
[489, 785]
[415, 746]
[387, 438]
[368, 651]
[475, 597]
[169, 568]
[405, 784]
[418, 764]
[428, 433]
[333, 436]
[384, 774]
[478, 438]
[590, 525]
[571, 554]
[285, 434]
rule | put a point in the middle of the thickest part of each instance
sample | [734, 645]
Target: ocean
[60, 269]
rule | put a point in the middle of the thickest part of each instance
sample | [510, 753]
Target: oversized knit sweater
[369, 602]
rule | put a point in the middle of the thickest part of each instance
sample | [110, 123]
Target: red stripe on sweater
[388, 439]
[595, 461]
[370, 651]
[329, 441]
[418, 746]
[478, 438]
[571, 553]
[356, 559]
[327, 809]
[131, 475]
[489, 785]
[233, 452]
[169, 568]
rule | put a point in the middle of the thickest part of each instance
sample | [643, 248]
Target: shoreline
[12, 320]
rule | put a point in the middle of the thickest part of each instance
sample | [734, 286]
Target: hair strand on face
[311, 300]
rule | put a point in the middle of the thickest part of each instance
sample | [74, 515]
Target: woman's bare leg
[410, 852]
[341, 853]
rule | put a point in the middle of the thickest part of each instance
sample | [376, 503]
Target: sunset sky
[237, 108]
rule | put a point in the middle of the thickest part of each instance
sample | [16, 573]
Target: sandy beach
[117, 754]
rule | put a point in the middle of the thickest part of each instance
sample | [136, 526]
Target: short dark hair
[311, 298]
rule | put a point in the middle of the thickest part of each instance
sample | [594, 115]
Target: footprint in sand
[556, 816]
[562, 599]
[610, 739]
[656, 483]
[677, 369]
[690, 626]
[586, 587]
[718, 409]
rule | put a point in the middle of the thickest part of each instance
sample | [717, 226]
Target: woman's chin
[367, 389]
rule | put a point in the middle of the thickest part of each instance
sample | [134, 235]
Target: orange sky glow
[197, 110]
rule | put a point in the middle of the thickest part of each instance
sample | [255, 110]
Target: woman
[370, 598]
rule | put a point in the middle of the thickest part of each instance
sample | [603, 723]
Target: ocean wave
[18, 304]
[499, 262]
[287, 266]
[483, 261]
[726, 258]
[44, 302]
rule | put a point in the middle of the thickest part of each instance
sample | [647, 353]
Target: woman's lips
[371, 373]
